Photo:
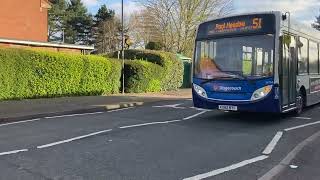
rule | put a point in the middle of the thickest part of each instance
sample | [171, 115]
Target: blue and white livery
[260, 62]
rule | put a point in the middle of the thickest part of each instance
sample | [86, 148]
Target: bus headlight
[200, 91]
[261, 93]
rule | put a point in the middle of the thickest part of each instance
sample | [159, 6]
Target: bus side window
[302, 45]
[313, 57]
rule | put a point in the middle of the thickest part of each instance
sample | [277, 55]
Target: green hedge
[166, 73]
[142, 76]
[34, 74]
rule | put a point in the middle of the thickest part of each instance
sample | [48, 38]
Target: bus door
[288, 72]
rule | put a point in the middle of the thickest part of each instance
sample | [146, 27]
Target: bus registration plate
[228, 108]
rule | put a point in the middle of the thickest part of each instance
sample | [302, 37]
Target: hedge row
[152, 71]
[34, 74]
[142, 76]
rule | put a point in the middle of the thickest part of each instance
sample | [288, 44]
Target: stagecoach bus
[259, 62]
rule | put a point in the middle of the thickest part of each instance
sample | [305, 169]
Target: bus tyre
[299, 103]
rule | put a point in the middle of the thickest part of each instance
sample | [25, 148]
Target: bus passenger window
[313, 57]
[302, 55]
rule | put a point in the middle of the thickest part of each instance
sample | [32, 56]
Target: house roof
[46, 44]
[46, 4]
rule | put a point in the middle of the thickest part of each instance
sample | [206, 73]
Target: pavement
[305, 164]
[162, 140]
[37, 108]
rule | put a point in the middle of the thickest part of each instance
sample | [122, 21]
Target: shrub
[142, 76]
[34, 74]
[169, 75]
[154, 46]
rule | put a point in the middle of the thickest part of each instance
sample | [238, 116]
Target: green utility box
[187, 64]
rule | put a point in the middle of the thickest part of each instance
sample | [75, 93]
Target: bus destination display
[235, 26]
[258, 23]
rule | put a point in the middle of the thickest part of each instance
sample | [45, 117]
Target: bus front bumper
[267, 104]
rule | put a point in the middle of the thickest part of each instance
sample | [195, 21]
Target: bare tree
[109, 39]
[177, 20]
[143, 28]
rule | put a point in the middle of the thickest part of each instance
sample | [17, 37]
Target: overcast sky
[303, 10]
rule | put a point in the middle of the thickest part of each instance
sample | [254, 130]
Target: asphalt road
[160, 141]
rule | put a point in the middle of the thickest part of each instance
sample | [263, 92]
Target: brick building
[24, 23]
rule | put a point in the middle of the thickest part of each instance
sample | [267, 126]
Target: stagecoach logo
[226, 88]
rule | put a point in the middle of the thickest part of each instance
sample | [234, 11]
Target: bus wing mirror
[299, 44]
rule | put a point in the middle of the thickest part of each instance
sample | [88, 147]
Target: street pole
[63, 35]
[122, 47]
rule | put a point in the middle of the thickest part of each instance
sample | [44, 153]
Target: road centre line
[19, 122]
[13, 152]
[72, 115]
[270, 147]
[302, 126]
[73, 139]
[228, 168]
[305, 118]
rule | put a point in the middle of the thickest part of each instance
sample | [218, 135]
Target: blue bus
[258, 62]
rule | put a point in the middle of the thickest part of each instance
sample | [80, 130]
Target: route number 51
[257, 23]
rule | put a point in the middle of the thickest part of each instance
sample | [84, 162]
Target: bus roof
[301, 30]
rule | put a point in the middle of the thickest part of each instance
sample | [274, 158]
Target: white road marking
[148, 124]
[305, 118]
[173, 121]
[116, 110]
[302, 126]
[139, 125]
[13, 152]
[175, 106]
[228, 168]
[200, 109]
[163, 122]
[73, 139]
[72, 115]
[195, 115]
[268, 150]
[19, 122]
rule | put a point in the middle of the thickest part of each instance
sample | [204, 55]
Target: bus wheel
[299, 103]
